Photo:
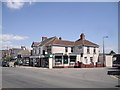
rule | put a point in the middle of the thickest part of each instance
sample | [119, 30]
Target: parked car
[116, 60]
[5, 64]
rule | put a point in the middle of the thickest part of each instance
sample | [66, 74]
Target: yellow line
[115, 77]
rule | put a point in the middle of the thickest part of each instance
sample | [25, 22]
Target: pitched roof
[56, 41]
[35, 43]
[48, 41]
[24, 52]
[63, 42]
[84, 42]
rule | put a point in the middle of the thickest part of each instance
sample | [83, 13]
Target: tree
[112, 52]
[8, 58]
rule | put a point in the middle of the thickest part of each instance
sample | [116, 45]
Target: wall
[58, 49]
[108, 60]
[91, 54]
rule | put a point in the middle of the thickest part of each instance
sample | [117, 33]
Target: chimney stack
[44, 38]
[60, 38]
[82, 36]
[23, 47]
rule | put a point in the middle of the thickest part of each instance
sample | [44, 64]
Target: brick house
[66, 53]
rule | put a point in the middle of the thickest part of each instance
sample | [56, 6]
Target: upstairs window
[94, 51]
[66, 49]
[49, 49]
[39, 51]
[88, 50]
[43, 52]
[71, 49]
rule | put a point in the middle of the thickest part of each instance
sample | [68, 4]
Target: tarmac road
[57, 78]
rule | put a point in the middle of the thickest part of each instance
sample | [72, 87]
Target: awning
[73, 55]
[34, 56]
[58, 54]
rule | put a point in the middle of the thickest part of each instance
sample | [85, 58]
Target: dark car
[5, 64]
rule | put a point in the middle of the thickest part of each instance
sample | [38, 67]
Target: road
[57, 78]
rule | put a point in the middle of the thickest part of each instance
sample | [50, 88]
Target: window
[49, 49]
[43, 52]
[66, 49]
[88, 50]
[86, 60]
[65, 59]
[81, 54]
[72, 58]
[94, 50]
[58, 59]
[39, 51]
[91, 59]
[71, 49]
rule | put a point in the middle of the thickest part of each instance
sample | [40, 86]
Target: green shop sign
[49, 55]
[80, 47]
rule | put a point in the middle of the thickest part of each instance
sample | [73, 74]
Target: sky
[23, 23]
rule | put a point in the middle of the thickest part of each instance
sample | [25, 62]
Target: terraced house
[81, 52]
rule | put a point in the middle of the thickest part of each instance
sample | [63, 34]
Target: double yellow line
[115, 77]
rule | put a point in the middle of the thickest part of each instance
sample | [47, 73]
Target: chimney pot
[82, 36]
[44, 38]
[60, 38]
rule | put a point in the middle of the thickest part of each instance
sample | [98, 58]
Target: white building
[66, 53]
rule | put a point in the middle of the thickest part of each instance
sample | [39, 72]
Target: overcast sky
[24, 23]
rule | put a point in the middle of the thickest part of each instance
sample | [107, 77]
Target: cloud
[6, 40]
[6, 37]
[17, 4]
[109, 48]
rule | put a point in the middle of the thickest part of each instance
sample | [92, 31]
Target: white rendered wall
[58, 49]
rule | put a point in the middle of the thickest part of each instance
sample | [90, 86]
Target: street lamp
[104, 50]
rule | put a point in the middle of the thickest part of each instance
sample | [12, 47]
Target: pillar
[50, 63]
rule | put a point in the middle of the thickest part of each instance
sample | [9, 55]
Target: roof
[24, 52]
[63, 42]
[56, 41]
[16, 49]
[84, 42]
[35, 44]
[48, 41]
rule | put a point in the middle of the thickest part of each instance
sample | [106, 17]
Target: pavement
[30, 67]
[33, 77]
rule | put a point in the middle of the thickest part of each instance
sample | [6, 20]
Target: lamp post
[104, 50]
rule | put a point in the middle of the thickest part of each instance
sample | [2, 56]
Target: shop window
[65, 59]
[72, 58]
[58, 59]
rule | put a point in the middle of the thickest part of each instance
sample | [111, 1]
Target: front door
[65, 59]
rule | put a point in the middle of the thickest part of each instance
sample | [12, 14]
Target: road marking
[115, 77]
